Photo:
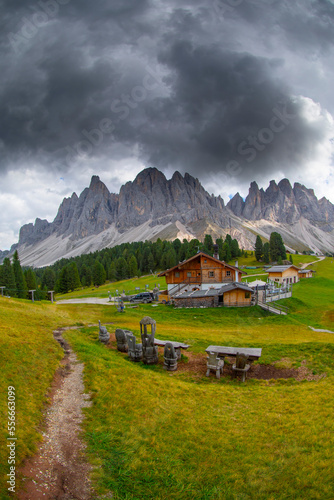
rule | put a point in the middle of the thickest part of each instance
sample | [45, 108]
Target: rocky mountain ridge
[152, 206]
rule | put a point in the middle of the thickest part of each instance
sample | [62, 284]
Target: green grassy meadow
[128, 285]
[152, 434]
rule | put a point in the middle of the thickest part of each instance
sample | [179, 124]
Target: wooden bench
[177, 345]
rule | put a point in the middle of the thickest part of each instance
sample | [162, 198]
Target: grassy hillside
[128, 285]
[152, 434]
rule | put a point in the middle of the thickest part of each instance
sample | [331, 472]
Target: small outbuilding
[284, 274]
[305, 273]
[230, 295]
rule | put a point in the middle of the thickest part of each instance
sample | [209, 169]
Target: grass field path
[303, 266]
[59, 469]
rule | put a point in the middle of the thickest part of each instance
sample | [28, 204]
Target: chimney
[236, 263]
[216, 251]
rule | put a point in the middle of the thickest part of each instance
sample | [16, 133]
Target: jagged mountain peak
[150, 174]
[253, 186]
[96, 185]
[300, 187]
[177, 176]
[180, 203]
[285, 186]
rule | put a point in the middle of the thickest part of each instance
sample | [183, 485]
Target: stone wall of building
[196, 302]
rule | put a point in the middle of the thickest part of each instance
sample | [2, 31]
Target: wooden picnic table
[253, 353]
[177, 345]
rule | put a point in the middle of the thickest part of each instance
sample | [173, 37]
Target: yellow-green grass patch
[154, 435]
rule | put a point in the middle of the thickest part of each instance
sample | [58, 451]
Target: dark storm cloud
[212, 95]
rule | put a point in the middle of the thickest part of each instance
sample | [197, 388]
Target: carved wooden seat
[241, 366]
[215, 364]
[170, 357]
[103, 334]
[135, 351]
[122, 343]
[150, 351]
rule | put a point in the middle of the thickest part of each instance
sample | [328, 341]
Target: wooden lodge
[200, 272]
[284, 274]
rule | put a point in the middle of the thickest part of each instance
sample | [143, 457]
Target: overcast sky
[230, 92]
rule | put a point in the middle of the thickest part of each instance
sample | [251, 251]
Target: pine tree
[73, 276]
[220, 242]
[177, 246]
[208, 244]
[132, 266]
[151, 264]
[228, 239]
[49, 279]
[290, 258]
[62, 285]
[277, 248]
[170, 258]
[121, 269]
[258, 248]
[226, 252]
[194, 245]
[30, 278]
[235, 251]
[184, 252]
[20, 282]
[8, 278]
[112, 271]
[99, 274]
[266, 250]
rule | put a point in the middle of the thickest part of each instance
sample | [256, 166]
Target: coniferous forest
[121, 262]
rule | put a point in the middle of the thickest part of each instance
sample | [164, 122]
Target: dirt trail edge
[59, 469]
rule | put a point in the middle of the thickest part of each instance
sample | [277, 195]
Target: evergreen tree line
[121, 262]
[124, 261]
[18, 282]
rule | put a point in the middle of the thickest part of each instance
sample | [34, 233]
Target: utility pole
[32, 294]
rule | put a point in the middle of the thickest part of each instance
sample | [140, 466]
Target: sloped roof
[234, 286]
[256, 283]
[180, 264]
[281, 269]
[197, 294]
[212, 292]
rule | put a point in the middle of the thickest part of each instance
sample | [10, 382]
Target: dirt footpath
[59, 469]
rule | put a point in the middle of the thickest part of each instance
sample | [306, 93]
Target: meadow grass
[152, 434]
[128, 285]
